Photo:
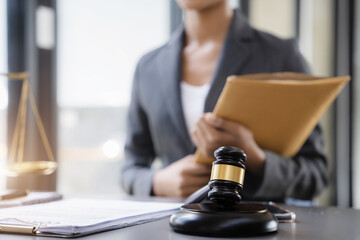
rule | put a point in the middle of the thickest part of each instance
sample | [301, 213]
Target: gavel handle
[199, 195]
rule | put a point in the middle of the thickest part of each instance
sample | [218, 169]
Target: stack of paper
[78, 217]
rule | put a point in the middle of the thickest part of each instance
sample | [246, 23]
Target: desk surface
[311, 223]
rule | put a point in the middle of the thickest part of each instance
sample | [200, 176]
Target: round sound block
[210, 219]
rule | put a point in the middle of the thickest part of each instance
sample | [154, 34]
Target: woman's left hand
[212, 132]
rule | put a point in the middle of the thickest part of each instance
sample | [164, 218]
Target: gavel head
[227, 176]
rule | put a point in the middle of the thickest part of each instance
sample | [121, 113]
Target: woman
[175, 84]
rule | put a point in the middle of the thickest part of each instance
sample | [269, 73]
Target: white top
[193, 102]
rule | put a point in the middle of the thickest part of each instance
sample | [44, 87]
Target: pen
[14, 194]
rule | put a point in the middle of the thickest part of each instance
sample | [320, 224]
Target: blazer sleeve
[303, 176]
[136, 172]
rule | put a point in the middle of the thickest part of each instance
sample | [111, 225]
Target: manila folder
[281, 109]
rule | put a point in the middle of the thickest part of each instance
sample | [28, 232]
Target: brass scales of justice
[17, 165]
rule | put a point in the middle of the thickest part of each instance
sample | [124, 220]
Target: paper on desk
[281, 109]
[76, 217]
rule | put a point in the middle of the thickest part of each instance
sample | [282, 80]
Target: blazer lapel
[170, 68]
[235, 53]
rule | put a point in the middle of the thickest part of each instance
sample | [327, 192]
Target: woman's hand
[212, 132]
[181, 178]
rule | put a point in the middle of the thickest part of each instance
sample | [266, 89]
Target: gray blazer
[156, 127]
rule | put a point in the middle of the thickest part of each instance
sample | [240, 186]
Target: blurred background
[81, 55]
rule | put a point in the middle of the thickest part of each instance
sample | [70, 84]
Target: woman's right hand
[181, 178]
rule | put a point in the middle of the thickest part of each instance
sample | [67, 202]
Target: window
[356, 107]
[99, 43]
[274, 16]
[3, 92]
[317, 45]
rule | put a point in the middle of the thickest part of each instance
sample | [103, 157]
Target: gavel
[216, 209]
[227, 176]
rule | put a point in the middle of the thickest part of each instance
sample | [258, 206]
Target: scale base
[209, 219]
[35, 167]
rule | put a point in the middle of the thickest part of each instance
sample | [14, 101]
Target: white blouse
[193, 102]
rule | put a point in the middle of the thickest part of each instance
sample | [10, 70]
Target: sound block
[210, 219]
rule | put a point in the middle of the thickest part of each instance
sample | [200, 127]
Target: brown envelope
[281, 109]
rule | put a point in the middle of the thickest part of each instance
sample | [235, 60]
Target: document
[78, 217]
[281, 109]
